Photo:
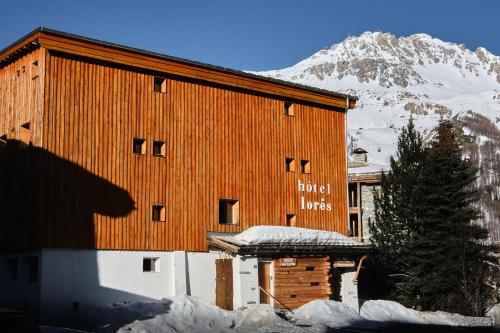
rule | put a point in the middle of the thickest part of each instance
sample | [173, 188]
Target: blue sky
[254, 34]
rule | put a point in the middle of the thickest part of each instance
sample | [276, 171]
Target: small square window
[305, 166]
[158, 213]
[160, 84]
[32, 269]
[25, 134]
[139, 146]
[34, 69]
[229, 211]
[289, 109]
[289, 164]
[290, 220]
[150, 264]
[12, 265]
[159, 148]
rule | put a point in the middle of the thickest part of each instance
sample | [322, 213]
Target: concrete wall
[87, 278]
[18, 292]
[245, 281]
[349, 288]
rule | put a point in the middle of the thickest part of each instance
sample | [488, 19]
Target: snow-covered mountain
[418, 76]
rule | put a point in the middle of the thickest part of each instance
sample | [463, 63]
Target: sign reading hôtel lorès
[308, 187]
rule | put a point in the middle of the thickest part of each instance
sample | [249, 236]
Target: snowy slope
[418, 76]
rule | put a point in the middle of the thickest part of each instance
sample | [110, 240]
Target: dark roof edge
[186, 61]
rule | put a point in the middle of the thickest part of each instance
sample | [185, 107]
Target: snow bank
[292, 235]
[387, 311]
[184, 314]
[330, 313]
[261, 318]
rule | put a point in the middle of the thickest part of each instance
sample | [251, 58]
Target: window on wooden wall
[34, 69]
[159, 148]
[160, 84]
[289, 164]
[32, 265]
[25, 133]
[229, 211]
[290, 220]
[13, 268]
[158, 213]
[354, 225]
[305, 166]
[289, 109]
[353, 195]
[150, 264]
[139, 146]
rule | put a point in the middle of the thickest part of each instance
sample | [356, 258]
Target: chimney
[359, 155]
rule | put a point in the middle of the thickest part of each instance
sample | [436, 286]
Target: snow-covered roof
[367, 168]
[261, 238]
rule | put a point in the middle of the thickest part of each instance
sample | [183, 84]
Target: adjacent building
[128, 175]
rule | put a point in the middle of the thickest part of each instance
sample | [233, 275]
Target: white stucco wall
[90, 278]
[19, 294]
[245, 281]
[349, 289]
[201, 274]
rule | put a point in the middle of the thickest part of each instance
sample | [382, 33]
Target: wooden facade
[307, 280]
[225, 136]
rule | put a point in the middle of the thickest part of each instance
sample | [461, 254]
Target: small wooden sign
[288, 262]
[343, 263]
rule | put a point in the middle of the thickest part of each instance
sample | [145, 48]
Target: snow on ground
[388, 311]
[292, 235]
[330, 313]
[192, 314]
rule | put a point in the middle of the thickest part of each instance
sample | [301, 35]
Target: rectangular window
[32, 269]
[290, 220]
[229, 211]
[305, 166]
[25, 134]
[309, 268]
[160, 85]
[158, 213]
[354, 225]
[150, 264]
[139, 146]
[12, 264]
[289, 164]
[34, 69]
[289, 109]
[159, 148]
[353, 195]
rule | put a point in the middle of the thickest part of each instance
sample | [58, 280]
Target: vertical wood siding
[219, 144]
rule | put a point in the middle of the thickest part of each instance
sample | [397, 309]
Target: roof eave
[50, 32]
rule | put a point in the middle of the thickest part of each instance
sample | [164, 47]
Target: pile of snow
[292, 235]
[261, 318]
[195, 315]
[330, 313]
[184, 314]
[388, 311]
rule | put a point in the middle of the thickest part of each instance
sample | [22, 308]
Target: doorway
[265, 281]
[224, 283]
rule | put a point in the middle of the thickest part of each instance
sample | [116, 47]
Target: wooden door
[265, 281]
[224, 283]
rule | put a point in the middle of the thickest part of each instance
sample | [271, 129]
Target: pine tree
[423, 233]
[448, 251]
[395, 215]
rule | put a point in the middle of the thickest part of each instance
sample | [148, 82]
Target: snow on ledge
[292, 235]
